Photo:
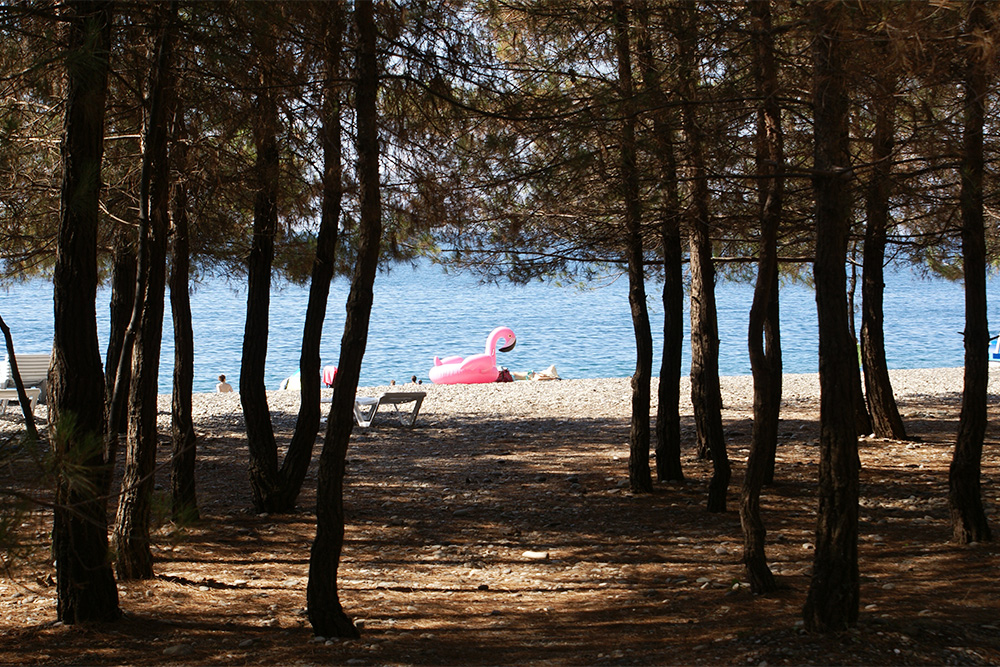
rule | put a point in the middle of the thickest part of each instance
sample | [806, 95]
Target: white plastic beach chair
[34, 370]
[366, 407]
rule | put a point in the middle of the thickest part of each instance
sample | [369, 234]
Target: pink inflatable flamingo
[476, 369]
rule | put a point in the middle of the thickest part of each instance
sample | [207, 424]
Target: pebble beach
[608, 398]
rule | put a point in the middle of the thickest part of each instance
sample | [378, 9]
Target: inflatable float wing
[477, 369]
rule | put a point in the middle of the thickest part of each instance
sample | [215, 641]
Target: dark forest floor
[517, 542]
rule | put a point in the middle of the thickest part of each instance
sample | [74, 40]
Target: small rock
[178, 650]
[246, 643]
[536, 555]
[464, 511]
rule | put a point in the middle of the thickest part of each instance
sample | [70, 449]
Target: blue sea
[423, 312]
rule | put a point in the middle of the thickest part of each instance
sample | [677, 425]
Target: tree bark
[862, 420]
[263, 449]
[183, 496]
[85, 588]
[706, 394]
[668, 418]
[22, 397]
[123, 284]
[131, 535]
[640, 479]
[326, 614]
[968, 518]
[832, 601]
[886, 421]
[765, 352]
[299, 455]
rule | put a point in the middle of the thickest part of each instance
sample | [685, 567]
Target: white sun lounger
[366, 407]
[34, 370]
[7, 395]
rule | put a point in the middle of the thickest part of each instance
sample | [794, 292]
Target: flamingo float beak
[510, 347]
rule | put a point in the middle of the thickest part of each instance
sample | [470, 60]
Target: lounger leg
[416, 410]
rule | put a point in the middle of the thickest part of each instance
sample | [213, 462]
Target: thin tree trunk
[183, 497]
[668, 418]
[263, 466]
[640, 479]
[22, 397]
[968, 518]
[123, 284]
[862, 421]
[832, 601]
[706, 393]
[85, 588]
[886, 421]
[763, 357]
[299, 454]
[772, 343]
[326, 614]
[131, 535]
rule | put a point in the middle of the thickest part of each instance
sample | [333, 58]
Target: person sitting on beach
[223, 386]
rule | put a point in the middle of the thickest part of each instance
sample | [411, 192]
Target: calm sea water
[585, 333]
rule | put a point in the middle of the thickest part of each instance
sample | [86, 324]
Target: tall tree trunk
[706, 394]
[131, 534]
[85, 588]
[832, 602]
[640, 479]
[326, 614]
[765, 354]
[862, 421]
[886, 421]
[299, 454]
[668, 417]
[183, 496]
[123, 270]
[264, 481]
[968, 519]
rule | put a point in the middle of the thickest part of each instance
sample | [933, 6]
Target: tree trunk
[85, 588]
[299, 454]
[183, 496]
[862, 421]
[123, 270]
[968, 518]
[264, 481]
[131, 535]
[886, 421]
[706, 394]
[765, 355]
[326, 614]
[832, 602]
[668, 417]
[640, 479]
[22, 397]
